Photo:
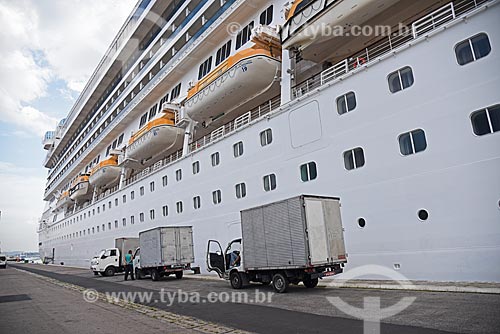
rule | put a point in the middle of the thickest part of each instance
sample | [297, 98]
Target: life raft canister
[359, 61]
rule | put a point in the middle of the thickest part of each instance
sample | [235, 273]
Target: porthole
[423, 215]
[361, 222]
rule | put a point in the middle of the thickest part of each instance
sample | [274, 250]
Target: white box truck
[3, 261]
[112, 260]
[164, 251]
[300, 239]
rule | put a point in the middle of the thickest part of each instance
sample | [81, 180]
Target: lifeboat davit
[63, 201]
[157, 137]
[106, 173]
[236, 81]
[80, 190]
[314, 21]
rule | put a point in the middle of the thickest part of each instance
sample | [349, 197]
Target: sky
[49, 49]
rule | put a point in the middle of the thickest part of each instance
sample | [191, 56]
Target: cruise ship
[202, 108]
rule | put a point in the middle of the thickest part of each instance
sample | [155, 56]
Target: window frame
[217, 197]
[266, 137]
[411, 132]
[196, 167]
[270, 178]
[268, 14]
[487, 112]
[197, 202]
[398, 72]
[244, 35]
[178, 175]
[238, 149]
[346, 103]
[308, 171]
[179, 207]
[240, 190]
[471, 48]
[215, 159]
[223, 53]
[355, 162]
[205, 68]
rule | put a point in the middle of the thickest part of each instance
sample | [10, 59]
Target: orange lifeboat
[236, 81]
[106, 173]
[157, 137]
[63, 201]
[80, 189]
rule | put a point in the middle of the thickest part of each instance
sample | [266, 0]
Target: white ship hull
[456, 179]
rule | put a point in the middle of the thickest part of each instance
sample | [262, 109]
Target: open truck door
[215, 258]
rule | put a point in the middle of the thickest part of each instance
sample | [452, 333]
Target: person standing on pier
[129, 268]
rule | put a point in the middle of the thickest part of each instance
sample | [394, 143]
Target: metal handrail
[430, 22]
[237, 123]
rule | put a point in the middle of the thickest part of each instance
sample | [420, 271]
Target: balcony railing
[246, 118]
[426, 24]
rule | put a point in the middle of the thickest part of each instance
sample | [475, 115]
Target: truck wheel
[280, 283]
[96, 273]
[310, 282]
[155, 275]
[110, 271]
[138, 274]
[236, 281]
[179, 274]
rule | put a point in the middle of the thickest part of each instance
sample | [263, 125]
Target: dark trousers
[129, 269]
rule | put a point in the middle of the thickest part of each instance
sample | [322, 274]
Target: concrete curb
[458, 287]
[414, 287]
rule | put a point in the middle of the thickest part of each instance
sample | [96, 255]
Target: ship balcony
[307, 19]
[48, 140]
[424, 26]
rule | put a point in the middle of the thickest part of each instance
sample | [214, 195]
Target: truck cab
[137, 263]
[107, 262]
[223, 263]
[228, 264]
[3, 261]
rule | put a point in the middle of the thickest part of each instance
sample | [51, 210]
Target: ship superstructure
[200, 109]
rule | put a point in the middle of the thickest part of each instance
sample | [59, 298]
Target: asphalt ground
[300, 310]
[31, 305]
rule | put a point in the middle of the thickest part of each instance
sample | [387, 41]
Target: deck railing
[246, 118]
[426, 24]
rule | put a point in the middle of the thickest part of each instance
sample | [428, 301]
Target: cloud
[20, 206]
[45, 41]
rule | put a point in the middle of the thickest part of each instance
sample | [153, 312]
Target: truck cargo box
[167, 246]
[298, 232]
[124, 245]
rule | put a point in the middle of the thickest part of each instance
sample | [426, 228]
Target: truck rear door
[185, 249]
[324, 229]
